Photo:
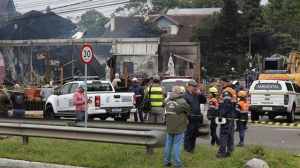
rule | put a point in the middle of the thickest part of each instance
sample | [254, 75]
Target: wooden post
[126, 74]
[25, 140]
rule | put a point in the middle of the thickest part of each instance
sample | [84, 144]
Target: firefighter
[243, 110]
[154, 95]
[212, 113]
[227, 112]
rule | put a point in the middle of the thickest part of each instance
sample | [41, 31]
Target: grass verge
[97, 155]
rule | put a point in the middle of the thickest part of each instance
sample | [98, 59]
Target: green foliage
[160, 6]
[93, 23]
[98, 155]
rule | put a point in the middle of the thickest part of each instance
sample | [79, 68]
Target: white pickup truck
[104, 102]
[274, 97]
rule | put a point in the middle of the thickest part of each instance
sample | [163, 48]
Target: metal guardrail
[150, 138]
[91, 124]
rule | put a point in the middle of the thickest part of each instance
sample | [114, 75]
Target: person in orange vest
[212, 113]
[242, 108]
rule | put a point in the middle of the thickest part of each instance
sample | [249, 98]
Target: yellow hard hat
[242, 94]
[213, 90]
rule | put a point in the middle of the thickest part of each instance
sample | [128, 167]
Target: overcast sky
[24, 6]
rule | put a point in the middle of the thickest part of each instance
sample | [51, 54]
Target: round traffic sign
[86, 54]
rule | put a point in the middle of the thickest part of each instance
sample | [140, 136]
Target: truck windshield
[98, 86]
[268, 86]
[169, 85]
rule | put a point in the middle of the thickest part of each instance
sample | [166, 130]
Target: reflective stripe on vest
[156, 96]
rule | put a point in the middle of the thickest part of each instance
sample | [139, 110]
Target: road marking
[287, 129]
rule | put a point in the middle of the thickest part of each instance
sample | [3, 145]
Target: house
[167, 35]
[137, 54]
[178, 26]
[7, 8]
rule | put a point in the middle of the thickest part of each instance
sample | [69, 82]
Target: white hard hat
[134, 79]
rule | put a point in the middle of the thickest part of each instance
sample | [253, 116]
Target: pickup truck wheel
[123, 118]
[49, 113]
[103, 117]
[254, 116]
[291, 115]
[271, 117]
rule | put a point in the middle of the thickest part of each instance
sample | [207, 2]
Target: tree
[284, 17]
[93, 23]
[161, 6]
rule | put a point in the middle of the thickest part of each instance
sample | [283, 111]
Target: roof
[188, 24]
[193, 11]
[7, 7]
[131, 27]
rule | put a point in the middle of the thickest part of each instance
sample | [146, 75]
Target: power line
[79, 9]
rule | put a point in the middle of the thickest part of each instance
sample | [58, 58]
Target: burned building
[137, 54]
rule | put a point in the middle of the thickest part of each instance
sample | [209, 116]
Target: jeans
[173, 147]
[242, 131]
[80, 116]
[226, 138]
[191, 134]
[213, 132]
[19, 113]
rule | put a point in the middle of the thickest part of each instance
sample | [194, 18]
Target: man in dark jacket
[227, 111]
[176, 111]
[18, 102]
[194, 99]
[138, 91]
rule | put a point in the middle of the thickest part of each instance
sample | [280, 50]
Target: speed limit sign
[86, 54]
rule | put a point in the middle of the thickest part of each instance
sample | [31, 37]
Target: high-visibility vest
[156, 96]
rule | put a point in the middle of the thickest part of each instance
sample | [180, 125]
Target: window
[289, 87]
[268, 86]
[99, 86]
[66, 89]
[297, 88]
[74, 86]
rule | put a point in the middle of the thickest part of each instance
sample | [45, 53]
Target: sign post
[86, 57]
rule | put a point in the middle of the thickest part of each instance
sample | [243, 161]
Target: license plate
[267, 108]
[116, 110]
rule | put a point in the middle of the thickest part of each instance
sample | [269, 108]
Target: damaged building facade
[171, 35]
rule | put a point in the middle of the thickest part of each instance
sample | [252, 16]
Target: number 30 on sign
[86, 54]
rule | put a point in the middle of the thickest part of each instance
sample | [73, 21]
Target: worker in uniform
[242, 108]
[176, 111]
[227, 111]
[154, 94]
[194, 99]
[212, 113]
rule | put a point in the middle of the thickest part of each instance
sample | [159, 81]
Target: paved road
[274, 137]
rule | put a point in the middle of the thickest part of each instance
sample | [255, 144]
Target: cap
[192, 83]
[134, 79]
